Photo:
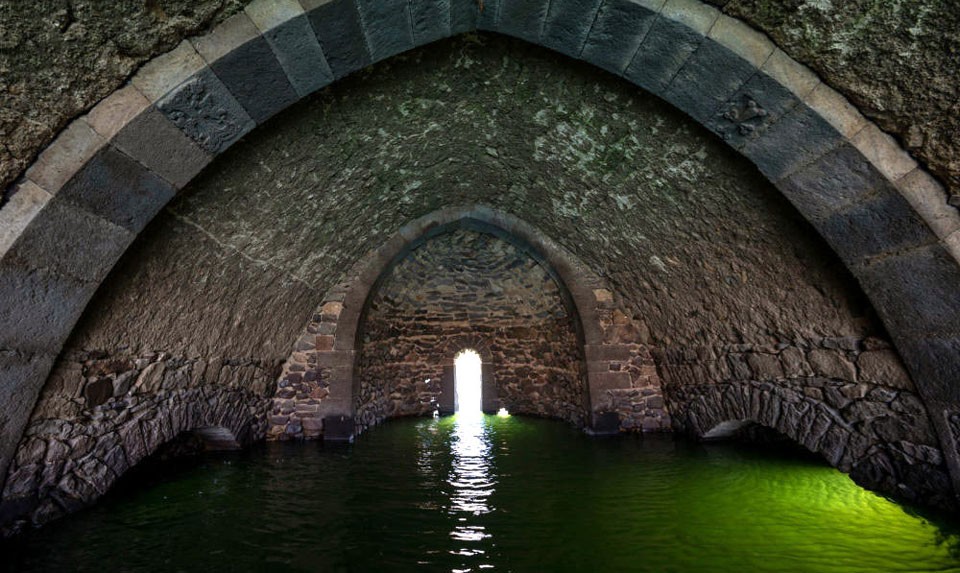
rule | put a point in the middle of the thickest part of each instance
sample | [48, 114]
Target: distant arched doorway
[468, 382]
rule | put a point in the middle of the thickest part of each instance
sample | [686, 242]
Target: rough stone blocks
[800, 137]
[523, 18]
[387, 27]
[62, 158]
[915, 292]
[708, 78]
[567, 24]
[338, 28]
[760, 102]
[661, 55]
[430, 20]
[152, 140]
[299, 53]
[255, 78]
[205, 110]
[122, 191]
[837, 179]
[619, 29]
[463, 16]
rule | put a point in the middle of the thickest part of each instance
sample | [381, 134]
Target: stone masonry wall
[848, 398]
[462, 285]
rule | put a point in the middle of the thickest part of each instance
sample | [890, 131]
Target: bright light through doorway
[467, 379]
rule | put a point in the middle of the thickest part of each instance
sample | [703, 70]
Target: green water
[497, 494]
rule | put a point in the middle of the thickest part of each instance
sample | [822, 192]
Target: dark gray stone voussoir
[835, 180]
[38, 306]
[204, 109]
[340, 33]
[916, 291]
[387, 26]
[463, 16]
[935, 362]
[299, 53]
[617, 33]
[707, 79]
[523, 18]
[152, 140]
[884, 222]
[759, 103]
[567, 24]
[115, 187]
[665, 48]
[255, 78]
[489, 16]
[64, 239]
[430, 20]
[800, 137]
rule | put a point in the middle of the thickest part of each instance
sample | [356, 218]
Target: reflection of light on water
[472, 481]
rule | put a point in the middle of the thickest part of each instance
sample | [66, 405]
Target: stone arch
[110, 172]
[46, 482]
[320, 375]
[719, 411]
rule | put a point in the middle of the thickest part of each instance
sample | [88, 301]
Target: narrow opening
[467, 382]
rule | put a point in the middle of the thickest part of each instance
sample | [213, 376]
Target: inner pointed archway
[468, 383]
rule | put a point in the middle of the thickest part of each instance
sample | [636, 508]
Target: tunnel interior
[611, 262]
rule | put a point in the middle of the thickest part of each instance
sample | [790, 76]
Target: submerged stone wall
[469, 285]
[849, 399]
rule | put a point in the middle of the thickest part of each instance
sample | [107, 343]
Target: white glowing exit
[467, 381]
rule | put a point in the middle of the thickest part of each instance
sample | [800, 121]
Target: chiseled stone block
[619, 29]
[663, 52]
[246, 65]
[152, 140]
[742, 40]
[38, 306]
[165, 72]
[204, 109]
[915, 291]
[800, 137]
[489, 16]
[760, 102]
[463, 16]
[884, 152]
[23, 375]
[567, 24]
[929, 199]
[299, 53]
[789, 73]
[884, 222]
[707, 79]
[110, 115]
[523, 18]
[67, 154]
[832, 182]
[336, 24]
[19, 211]
[835, 108]
[386, 24]
[430, 20]
[46, 243]
[119, 190]
[933, 362]
[268, 14]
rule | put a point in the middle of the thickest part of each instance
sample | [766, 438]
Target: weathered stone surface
[707, 79]
[203, 108]
[617, 32]
[429, 20]
[523, 19]
[339, 30]
[255, 78]
[156, 143]
[567, 24]
[299, 53]
[799, 138]
[118, 189]
[386, 24]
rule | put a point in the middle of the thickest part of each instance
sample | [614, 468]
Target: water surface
[491, 494]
